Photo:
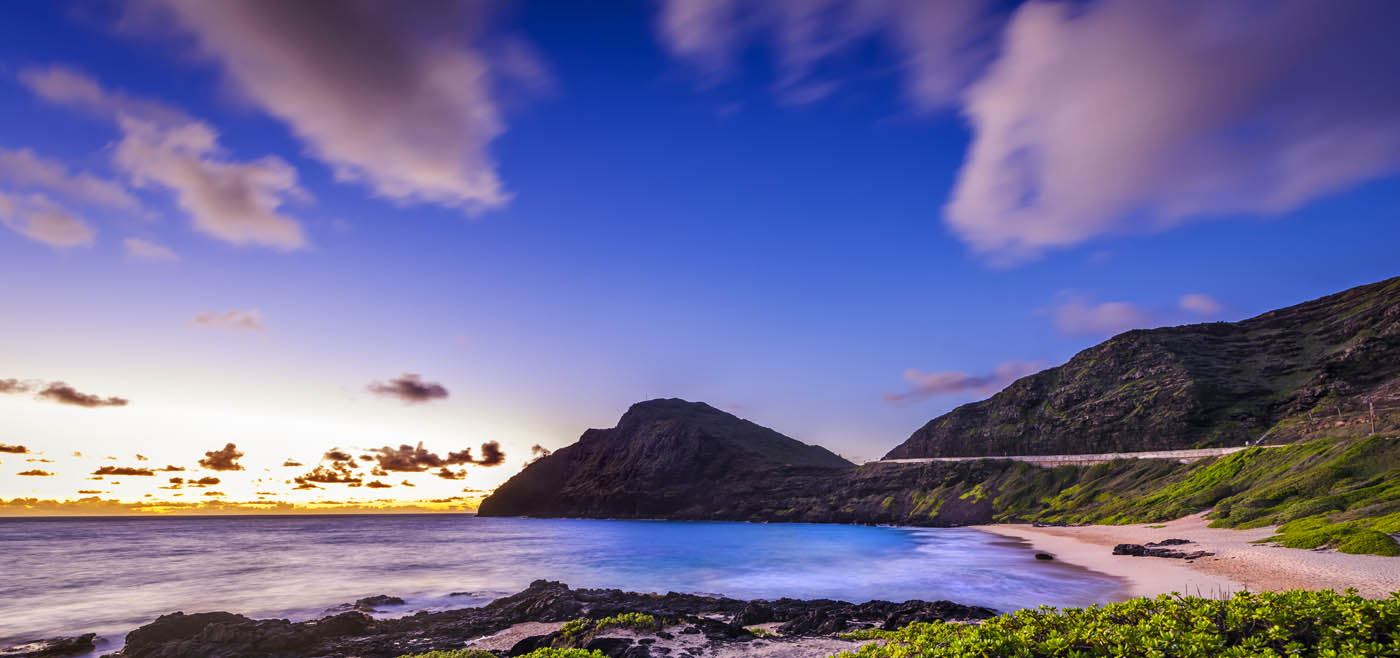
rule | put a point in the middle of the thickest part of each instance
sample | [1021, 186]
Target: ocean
[111, 575]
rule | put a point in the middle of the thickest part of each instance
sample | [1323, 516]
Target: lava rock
[1044, 556]
[54, 646]
[370, 603]
[613, 647]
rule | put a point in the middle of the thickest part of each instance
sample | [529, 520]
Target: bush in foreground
[1295, 623]
[538, 653]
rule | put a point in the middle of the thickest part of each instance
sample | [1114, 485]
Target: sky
[390, 253]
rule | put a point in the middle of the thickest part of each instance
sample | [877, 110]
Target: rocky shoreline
[708, 626]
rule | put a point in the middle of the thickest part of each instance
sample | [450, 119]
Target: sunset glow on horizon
[440, 239]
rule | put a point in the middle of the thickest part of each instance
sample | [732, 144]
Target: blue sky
[776, 234]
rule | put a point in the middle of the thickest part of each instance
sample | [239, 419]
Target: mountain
[667, 459]
[1284, 375]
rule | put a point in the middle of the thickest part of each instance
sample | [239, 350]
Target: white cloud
[924, 385]
[141, 249]
[23, 168]
[398, 96]
[250, 320]
[237, 202]
[1128, 116]
[1200, 303]
[1078, 316]
[938, 45]
[37, 218]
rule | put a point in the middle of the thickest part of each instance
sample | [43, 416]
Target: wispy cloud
[249, 320]
[238, 202]
[146, 250]
[1122, 116]
[38, 218]
[1200, 304]
[939, 46]
[1077, 315]
[400, 97]
[23, 168]
[924, 385]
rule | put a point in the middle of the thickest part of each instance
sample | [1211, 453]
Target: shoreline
[1238, 563]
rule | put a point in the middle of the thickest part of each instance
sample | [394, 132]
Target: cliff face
[666, 459]
[1288, 373]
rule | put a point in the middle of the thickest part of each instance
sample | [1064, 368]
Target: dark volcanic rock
[1149, 550]
[51, 647]
[613, 647]
[1169, 542]
[1044, 556]
[355, 634]
[371, 603]
[666, 459]
[1201, 385]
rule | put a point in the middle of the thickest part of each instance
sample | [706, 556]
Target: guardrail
[1051, 461]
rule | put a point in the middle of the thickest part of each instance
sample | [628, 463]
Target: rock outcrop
[355, 634]
[1287, 373]
[667, 459]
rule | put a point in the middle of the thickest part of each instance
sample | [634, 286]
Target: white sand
[1238, 563]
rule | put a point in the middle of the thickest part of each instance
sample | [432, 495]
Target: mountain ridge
[1190, 386]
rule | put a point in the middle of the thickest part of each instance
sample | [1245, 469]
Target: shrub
[1295, 623]
[583, 629]
[537, 653]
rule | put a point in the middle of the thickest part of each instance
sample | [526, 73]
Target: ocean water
[69, 576]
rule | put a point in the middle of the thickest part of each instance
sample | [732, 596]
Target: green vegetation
[580, 631]
[537, 653]
[1296, 623]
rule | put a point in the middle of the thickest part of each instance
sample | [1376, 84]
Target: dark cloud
[35, 473]
[366, 458]
[14, 450]
[291, 463]
[89, 491]
[376, 484]
[14, 386]
[334, 474]
[172, 469]
[176, 480]
[537, 451]
[204, 482]
[142, 458]
[222, 460]
[337, 455]
[214, 493]
[491, 454]
[449, 474]
[123, 470]
[305, 485]
[410, 388]
[64, 394]
[406, 483]
[411, 459]
[37, 460]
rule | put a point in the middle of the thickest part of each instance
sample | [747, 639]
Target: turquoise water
[68, 576]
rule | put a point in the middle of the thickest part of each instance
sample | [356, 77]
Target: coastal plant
[537, 653]
[1294, 623]
[580, 631]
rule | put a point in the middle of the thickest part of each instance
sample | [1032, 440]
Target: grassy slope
[1343, 492]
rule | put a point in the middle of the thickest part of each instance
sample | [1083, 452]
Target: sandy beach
[1238, 563]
